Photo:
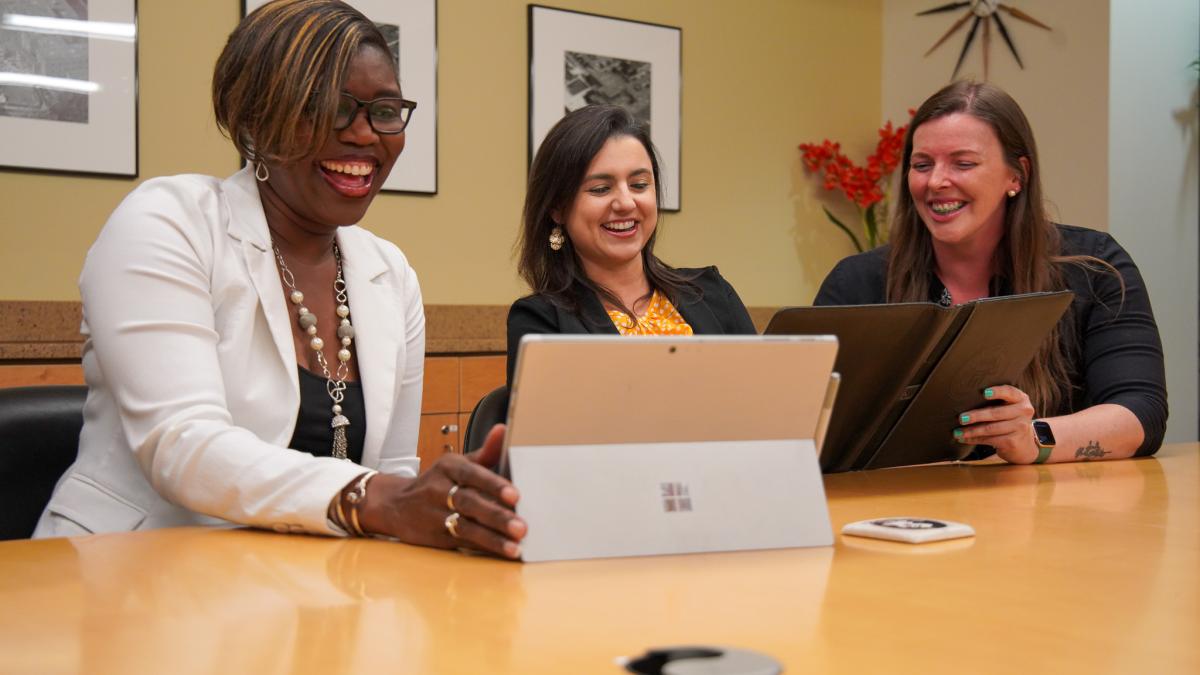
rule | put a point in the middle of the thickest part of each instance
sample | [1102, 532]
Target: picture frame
[577, 58]
[69, 87]
[411, 29]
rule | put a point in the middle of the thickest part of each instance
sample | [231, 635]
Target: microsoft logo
[675, 497]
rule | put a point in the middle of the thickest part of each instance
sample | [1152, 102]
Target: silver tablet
[641, 445]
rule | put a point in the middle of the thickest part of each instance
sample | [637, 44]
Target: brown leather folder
[910, 369]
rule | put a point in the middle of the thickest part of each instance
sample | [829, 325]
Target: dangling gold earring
[261, 172]
[1012, 193]
[557, 239]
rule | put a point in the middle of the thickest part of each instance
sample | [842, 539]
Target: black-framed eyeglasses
[385, 115]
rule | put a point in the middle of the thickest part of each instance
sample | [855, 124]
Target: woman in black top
[970, 224]
[587, 242]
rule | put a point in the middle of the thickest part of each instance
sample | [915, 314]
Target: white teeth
[352, 168]
[622, 226]
[946, 207]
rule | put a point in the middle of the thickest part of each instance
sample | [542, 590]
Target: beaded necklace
[335, 383]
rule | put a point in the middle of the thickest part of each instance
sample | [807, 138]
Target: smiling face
[959, 179]
[614, 212]
[335, 185]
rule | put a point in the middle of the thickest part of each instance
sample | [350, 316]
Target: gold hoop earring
[261, 172]
[557, 239]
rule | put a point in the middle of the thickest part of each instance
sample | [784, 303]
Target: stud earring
[1012, 193]
[261, 172]
[557, 239]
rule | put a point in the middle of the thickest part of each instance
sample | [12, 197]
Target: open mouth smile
[947, 207]
[350, 178]
[620, 226]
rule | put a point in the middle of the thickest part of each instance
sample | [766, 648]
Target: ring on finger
[450, 497]
[452, 524]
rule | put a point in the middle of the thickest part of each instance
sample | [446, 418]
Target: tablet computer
[650, 445]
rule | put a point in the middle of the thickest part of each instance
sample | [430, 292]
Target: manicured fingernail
[988, 393]
[964, 418]
[958, 434]
[512, 550]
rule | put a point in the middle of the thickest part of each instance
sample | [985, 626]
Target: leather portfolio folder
[909, 369]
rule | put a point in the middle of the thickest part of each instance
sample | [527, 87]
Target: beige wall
[1063, 88]
[50, 220]
[759, 77]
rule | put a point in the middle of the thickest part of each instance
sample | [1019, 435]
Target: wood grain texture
[479, 375]
[440, 393]
[439, 435]
[1075, 568]
[30, 375]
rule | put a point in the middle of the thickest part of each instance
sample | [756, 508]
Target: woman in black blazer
[587, 242]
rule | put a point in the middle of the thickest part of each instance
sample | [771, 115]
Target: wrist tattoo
[1091, 451]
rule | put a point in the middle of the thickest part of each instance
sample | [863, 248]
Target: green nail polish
[988, 393]
[964, 418]
[958, 433]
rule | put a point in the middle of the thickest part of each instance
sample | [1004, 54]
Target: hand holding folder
[908, 369]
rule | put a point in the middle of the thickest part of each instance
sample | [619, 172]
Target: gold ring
[452, 524]
[450, 497]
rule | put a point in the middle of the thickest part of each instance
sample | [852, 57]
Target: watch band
[1043, 436]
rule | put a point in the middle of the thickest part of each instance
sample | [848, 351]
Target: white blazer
[192, 385]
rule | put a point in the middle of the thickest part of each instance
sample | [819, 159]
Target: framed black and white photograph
[577, 59]
[68, 86]
[410, 27]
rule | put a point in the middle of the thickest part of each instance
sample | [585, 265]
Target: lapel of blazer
[378, 334]
[592, 317]
[700, 317]
[248, 225]
[373, 310]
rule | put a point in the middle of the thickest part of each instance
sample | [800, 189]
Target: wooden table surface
[1087, 568]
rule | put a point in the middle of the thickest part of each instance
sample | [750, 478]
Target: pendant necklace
[335, 383]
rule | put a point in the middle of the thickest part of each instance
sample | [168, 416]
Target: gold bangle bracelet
[339, 516]
[356, 496]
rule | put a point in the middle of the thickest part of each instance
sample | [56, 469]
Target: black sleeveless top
[313, 433]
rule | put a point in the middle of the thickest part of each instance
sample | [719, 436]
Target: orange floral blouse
[661, 318]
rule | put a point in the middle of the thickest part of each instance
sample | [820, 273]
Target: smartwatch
[1043, 435]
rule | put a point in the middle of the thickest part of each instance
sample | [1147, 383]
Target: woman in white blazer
[253, 357]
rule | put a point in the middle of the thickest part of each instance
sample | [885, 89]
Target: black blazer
[716, 311]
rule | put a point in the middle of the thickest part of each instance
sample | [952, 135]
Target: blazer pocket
[94, 507]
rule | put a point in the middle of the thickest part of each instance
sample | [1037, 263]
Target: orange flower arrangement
[865, 186]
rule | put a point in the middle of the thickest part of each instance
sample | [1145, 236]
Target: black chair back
[491, 410]
[39, 440]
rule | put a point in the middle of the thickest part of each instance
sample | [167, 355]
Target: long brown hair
[1029, 256]
[554, 179]
[275, 85]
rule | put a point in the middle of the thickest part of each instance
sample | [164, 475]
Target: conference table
[1075, 568]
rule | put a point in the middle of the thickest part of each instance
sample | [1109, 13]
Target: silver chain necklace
[336, 386]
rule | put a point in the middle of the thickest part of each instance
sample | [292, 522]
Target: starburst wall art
[984, 13]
